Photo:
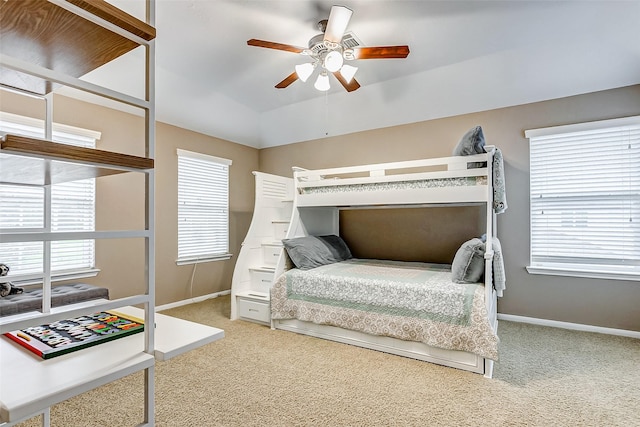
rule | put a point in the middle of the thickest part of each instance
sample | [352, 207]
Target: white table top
[176, 336]
[29, 384]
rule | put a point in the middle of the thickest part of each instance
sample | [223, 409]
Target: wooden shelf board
[40, 162]
[45, 34]
[116, 16]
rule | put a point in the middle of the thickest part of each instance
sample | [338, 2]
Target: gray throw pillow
[471, 143]
[468, 263]
[314, 251]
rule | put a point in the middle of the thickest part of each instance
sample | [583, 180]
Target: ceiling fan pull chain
[326, 113]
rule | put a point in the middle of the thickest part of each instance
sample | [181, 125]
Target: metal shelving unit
[47, 44]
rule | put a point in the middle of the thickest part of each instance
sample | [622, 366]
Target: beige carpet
[259, 377]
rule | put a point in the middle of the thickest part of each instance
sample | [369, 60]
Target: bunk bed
[446, 314]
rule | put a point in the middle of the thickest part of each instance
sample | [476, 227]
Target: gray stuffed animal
[7, 288]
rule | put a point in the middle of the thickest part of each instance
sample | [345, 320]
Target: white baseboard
[567, 325]
[191, 300]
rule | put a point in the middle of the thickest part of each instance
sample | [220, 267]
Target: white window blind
[585, 199]
[203, 207]
[22, 208]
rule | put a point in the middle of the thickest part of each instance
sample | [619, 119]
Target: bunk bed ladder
[261, 249]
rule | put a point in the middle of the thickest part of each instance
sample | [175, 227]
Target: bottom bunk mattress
[411, 301]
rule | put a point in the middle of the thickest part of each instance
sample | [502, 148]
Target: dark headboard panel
[431, 234]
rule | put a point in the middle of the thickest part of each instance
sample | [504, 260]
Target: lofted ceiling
[466, 56]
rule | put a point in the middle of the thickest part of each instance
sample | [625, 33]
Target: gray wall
[605, 303]
[120, 199]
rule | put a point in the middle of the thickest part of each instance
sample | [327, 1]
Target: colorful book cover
[66, 336]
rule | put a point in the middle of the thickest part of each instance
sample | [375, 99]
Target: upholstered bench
[60, 295]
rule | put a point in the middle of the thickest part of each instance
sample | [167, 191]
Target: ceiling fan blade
[336, 26]
[381, 52]
[350, 86]
[273, 45]
[288, 80]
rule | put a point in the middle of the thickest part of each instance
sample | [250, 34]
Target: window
[585, 199]
[203, 207]
[72, 209]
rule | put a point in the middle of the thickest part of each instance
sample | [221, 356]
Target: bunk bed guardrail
[438, 180]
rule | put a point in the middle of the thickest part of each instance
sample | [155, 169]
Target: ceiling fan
[329, 50]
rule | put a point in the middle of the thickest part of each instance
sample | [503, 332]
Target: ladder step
[263, 268]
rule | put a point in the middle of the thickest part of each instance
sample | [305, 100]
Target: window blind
[585, 197]
[72, 208]
[203, 207]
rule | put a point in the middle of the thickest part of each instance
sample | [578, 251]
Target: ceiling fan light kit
[305, 70]
[333, 61]
[322, 83]
[348, 72]
[329, 50]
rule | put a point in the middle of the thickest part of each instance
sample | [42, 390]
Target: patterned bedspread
[409, 301]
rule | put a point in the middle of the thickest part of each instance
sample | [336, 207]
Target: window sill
[200, 260]
[591, 274]
[36, 279]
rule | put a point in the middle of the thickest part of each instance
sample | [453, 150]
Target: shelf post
[150, 135]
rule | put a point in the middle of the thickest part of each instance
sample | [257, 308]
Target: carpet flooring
[259, 377]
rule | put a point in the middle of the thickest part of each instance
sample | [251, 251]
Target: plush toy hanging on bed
[7, 288]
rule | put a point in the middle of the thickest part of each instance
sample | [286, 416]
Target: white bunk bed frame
[317, 214]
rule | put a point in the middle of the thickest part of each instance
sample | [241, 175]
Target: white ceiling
[465, 56]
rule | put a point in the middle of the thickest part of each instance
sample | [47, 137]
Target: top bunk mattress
[412, 301]
[396, 185]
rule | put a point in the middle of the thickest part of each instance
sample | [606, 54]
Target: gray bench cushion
[60, 295]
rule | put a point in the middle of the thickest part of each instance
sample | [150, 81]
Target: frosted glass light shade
[304, 71]
[333, 61]
[322, 83]
[348, 71]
